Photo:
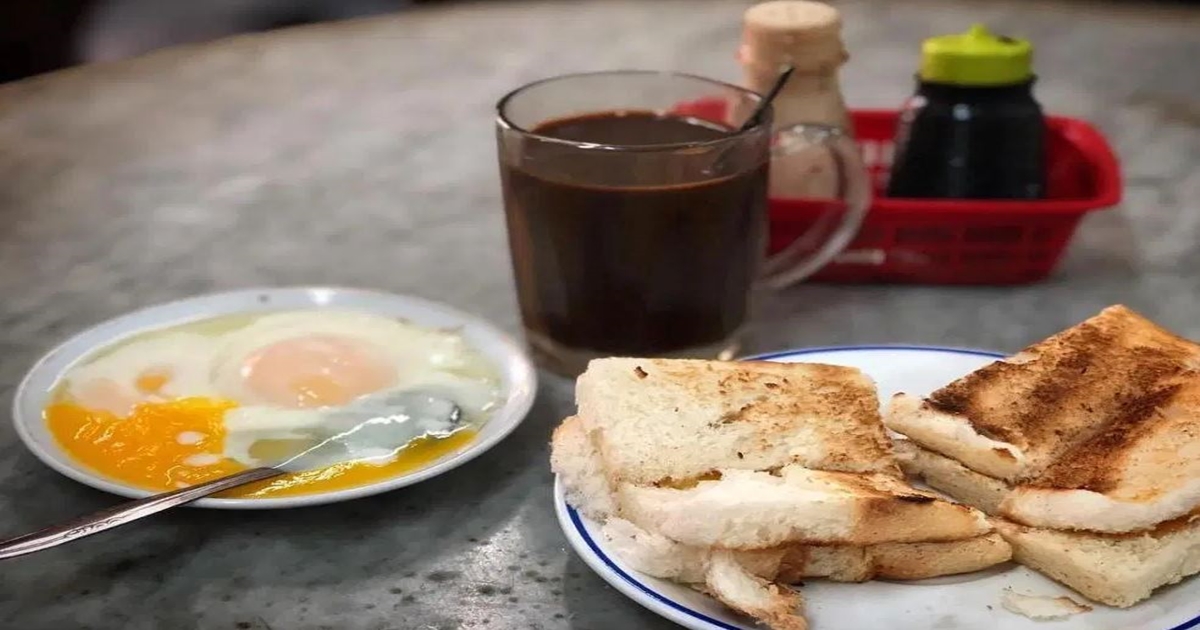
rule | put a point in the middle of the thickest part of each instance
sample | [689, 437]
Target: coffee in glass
[635, 229]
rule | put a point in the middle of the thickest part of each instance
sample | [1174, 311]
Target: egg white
[185, 356]
[413, 350]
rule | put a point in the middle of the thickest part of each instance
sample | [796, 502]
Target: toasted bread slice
[892, 561]
[816, 507]
[919, 561]
[757, 510]
[1118, 570]
[1094, 429]
[777, 607]
[1114, 569]
[1136, 473]
[1153, 478]
[882, 505]
[1015, 418]
[574, 458]
[950, 434]
[658, 420]
[952, 478]
[658, 556]
[780, 608]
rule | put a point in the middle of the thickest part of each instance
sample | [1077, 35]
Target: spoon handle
[126, 512]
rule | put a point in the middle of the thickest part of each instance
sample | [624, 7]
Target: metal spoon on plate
[410, 415]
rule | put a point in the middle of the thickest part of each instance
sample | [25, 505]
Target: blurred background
[42, 35]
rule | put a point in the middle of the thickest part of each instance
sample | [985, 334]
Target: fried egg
[311, 359]
[172, 408]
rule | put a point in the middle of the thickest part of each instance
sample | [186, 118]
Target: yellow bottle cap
[976, 58]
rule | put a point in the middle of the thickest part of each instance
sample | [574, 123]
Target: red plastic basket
[936, 241]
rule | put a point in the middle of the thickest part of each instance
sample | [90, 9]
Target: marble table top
[361, 153]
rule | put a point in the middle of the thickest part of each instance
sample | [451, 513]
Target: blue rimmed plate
[967, 602]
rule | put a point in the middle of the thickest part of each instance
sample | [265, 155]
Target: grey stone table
[361, 154]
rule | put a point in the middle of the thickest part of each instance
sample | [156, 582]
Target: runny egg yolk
[144, 448]
[316, 371]
[170, 445]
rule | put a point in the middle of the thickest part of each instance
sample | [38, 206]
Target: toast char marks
[671, 422]
[1095, 464]
[1091, 391]
[953, 479]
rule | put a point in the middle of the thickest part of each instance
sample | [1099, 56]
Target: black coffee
[632, 269]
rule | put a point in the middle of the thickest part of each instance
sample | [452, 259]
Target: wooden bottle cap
[805, 34]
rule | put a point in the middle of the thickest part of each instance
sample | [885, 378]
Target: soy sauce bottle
[973, 129]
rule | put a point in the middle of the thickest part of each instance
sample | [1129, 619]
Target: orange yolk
[152, 380]
[316, 371]
[166, 446]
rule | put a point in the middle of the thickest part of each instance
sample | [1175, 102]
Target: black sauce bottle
[973, 129]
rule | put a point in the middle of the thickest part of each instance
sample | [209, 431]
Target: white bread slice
[892, 561]
[1015, 418]
[757, 510]
[659, 420]
[1137, 502]
[1115, 569]
[576, 462]
[918, 561]
[952, 435]
[776, 607]
[952, 478]
[1119, 570]
[658, 556]
[574, 458]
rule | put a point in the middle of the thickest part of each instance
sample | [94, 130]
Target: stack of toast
[1078, 457]
[1086, 445]
[742, 478]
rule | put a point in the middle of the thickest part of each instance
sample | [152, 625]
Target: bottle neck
[817, 57]
[941, 91]
[761, 78]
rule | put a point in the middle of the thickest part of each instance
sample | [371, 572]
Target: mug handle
[798, 261]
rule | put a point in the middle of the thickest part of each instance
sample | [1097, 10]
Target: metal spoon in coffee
[755, 118]
[409, 415]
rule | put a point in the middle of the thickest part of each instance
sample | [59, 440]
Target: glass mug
[638, 234]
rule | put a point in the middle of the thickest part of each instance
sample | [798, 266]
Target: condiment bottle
[973, 129]
[807, 36]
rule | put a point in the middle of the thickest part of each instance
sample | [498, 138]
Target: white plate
[518, 377]
[968, 602]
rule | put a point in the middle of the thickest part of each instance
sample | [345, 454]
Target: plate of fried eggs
[184, 392]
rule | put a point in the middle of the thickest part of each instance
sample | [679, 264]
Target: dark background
[42, 35]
